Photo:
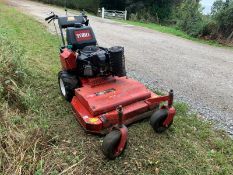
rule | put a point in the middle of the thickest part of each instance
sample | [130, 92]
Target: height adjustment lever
[120, 116]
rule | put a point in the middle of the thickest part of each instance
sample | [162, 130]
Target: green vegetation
[171, 30]
[189, 18]
[185, 15]
[182, 15]
[39, 135]
[89, 5]
[222, 16]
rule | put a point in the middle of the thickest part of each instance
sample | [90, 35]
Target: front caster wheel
[157, 120]
[111, 143]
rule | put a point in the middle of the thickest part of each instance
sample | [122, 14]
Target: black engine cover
[93, 61]
[96, 61]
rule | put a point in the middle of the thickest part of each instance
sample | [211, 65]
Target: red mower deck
[95, 105]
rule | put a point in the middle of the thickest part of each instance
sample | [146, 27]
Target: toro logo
[83, 35]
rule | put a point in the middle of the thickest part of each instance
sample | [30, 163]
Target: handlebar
[50, 20]
[53, 16]
[50, 17]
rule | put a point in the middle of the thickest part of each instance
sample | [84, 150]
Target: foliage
[217, 6]
[186, 14]
[222, 12]
[89, 5]
[113, 4]
[210, 28]
[189, 18]
[151, 10]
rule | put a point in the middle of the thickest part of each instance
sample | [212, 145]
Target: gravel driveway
[201, 75]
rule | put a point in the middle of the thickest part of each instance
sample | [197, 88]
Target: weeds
[12, 74]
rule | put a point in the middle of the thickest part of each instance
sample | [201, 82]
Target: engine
[94, 61]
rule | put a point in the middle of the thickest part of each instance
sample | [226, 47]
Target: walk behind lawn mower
[104, 100]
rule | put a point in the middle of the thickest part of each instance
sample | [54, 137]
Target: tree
[151, 10]
[113, 4]
[217, 7]
[189, 17]
[224, 18]
[222, 14]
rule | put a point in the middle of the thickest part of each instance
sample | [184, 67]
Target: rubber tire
[110, 143]
[157, 120]
[70, 83]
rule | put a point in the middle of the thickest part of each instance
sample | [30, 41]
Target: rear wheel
[157, 120]
[67, 83]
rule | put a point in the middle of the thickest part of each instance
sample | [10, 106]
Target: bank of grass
[39, 135]
[173, 31]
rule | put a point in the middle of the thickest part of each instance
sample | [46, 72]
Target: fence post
[103, 12]
[125, 14]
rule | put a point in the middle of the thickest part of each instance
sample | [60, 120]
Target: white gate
[113, 14]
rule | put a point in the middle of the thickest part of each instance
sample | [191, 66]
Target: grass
[173, 31]
[39, 135]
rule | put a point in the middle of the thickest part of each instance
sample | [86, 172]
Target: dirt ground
[201, 75]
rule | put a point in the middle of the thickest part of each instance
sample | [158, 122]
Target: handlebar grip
[50, 17]
[50, 20]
